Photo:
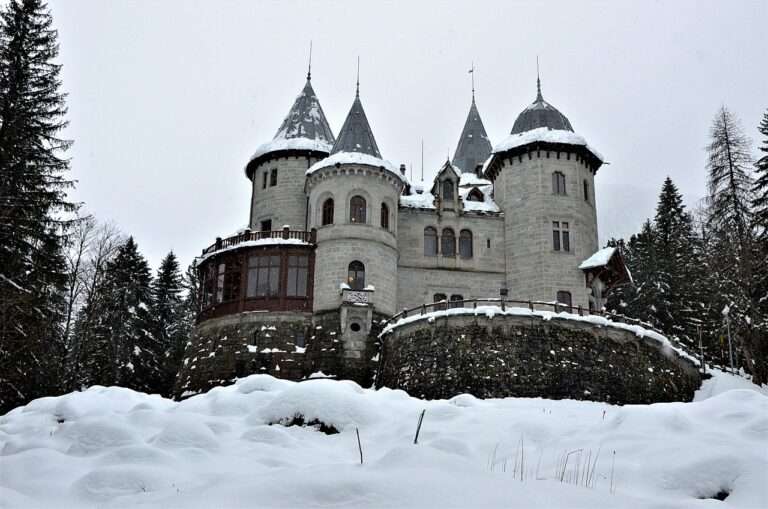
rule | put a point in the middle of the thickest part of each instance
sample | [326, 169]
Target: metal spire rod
[422, 159]
[357, 93]
[472, 72]
[309, 69]
[538, 81]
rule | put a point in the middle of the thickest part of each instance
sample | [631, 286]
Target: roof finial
[472, 72]
[539, 98]
[309, 69]
[357, 93]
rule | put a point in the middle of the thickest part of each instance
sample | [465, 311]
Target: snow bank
[111, 447]
[547, 135]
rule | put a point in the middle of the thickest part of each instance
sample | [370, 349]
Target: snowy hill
[112, 447]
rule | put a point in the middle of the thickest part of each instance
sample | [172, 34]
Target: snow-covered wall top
[547, 135]
[355, 158]
[291, 144]
[255, 243]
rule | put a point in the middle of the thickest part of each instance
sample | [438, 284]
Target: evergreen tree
[32, 201]
[760, 189]
[168, 316]
[122, 348]
[733, 249]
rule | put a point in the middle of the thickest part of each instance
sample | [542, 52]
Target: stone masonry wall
[529, 357]
[223, 349]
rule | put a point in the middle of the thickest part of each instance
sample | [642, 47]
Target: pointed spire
[309, 68]
[472, 72]
[356, 134]
[357, 92]
[539, 97]
[474, 147]
[306, 118]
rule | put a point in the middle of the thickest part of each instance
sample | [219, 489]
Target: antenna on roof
[309, 69]
[472, 72]
[538, 81]
[357, 93]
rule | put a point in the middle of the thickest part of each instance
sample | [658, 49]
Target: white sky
[167, 100]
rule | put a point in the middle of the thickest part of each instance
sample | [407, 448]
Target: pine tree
[122, 348]
[733, 248]
[169, 319]
[32, 202]
[760, 189]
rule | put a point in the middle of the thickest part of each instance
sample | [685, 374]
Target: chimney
[402, 170]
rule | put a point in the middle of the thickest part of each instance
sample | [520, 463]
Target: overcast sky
[167, 100]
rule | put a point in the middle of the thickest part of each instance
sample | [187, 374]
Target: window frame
[558, 183]
[447, 234]
[465, 238]
[446, 185]
[358, 210]
[566, 302]
[297, 271]
[273, 272]
[384, 216]
[561, 236]
[327, 211]
[431, 232]
[273, 177]
[355, 269]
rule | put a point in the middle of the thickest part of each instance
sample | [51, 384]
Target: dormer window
[475, 195]
[448, 190]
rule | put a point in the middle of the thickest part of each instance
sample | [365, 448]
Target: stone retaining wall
[510, 355]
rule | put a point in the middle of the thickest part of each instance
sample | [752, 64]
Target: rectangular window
[561, 236]
[586, 191]
[263, 276]
[264, 179]
[298, 272]
[232, 281]
[273, 177]
[220, 283]
[266, 225]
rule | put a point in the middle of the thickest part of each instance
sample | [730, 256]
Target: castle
[339, 239]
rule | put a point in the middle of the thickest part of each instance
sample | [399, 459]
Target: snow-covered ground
[112, 447]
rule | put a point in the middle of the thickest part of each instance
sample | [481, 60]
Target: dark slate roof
[356, 134]
[306, 119]
[474, 147]
[540, 114]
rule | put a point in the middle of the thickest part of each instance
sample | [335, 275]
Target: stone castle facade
[339, 239]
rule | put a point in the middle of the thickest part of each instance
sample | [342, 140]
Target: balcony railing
[310, 237]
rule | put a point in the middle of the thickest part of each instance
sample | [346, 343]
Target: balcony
[285, 235]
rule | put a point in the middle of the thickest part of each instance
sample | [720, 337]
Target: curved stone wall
[527, 356]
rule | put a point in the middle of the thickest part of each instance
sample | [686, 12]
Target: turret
[277, 168]
[353, 197]
[474, 146]
[543, 176]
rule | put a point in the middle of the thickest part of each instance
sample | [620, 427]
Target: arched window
[328, 211]
[440, 299]
[430, 241]
[356, 275]
[465, 244]
[357, 210]
[448, 190]
[558, 183]
[384, 216]
[448, 242]
[564, 299]
[456, 301]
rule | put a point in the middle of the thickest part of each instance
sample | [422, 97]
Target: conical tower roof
[356, 134]
[474, 147]
[306, 119]
[305, 128]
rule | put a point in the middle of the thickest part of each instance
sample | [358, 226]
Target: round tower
[353, 203]
[277, 168]
[543, 176]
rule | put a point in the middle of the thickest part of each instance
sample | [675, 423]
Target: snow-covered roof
[355, 158]
[426, 200]
[253, 243]
[291, 144]
[547, 135]
[599, 259]
[469, 179]
[356, 134]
